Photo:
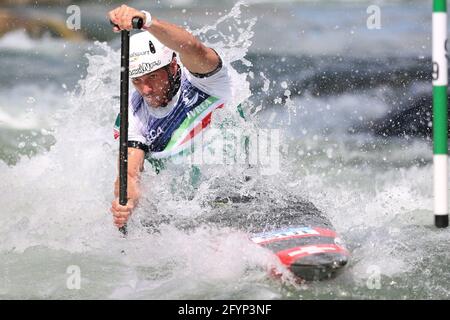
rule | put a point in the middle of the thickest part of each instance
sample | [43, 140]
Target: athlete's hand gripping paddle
[123, 148]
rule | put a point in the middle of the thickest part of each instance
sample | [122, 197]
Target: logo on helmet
[144, 68]
[152, 47]
[138, 54]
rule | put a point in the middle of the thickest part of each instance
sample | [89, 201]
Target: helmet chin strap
[174, 83]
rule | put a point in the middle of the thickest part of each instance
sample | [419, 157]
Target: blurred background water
[353, 108]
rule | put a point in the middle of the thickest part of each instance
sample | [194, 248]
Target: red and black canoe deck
[299, 234]
[310, 253]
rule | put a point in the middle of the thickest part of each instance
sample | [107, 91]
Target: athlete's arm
[135, 167]
[194, 55]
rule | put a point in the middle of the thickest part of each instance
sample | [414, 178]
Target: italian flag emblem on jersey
[196, 121]
[117, 127]
[182, 138]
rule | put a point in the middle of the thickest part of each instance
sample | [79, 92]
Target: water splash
[57, 202]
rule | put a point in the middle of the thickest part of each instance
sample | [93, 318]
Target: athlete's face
[154, 87]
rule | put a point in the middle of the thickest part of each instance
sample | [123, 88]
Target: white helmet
[147, 54]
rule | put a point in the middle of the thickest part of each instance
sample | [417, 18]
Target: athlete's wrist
[148, 19]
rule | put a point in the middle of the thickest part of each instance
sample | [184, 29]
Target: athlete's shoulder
[217, 85]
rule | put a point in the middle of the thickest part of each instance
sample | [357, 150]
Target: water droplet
[31, 100]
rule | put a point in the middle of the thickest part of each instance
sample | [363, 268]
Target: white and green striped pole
[440, 80]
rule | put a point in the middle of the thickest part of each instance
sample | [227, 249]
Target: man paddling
[171, 103]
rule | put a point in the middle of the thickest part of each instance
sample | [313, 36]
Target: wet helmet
[147, 54]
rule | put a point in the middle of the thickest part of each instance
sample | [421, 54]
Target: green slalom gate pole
[440, 114]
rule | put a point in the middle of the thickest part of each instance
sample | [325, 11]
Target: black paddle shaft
[123, 148]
